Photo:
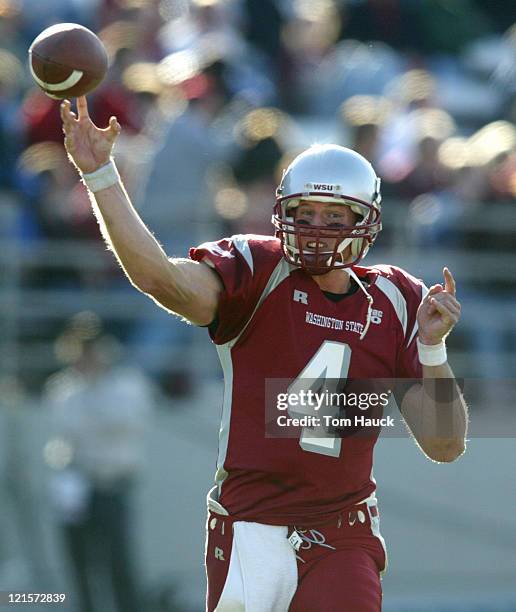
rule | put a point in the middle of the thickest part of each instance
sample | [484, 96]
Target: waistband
[362, 512]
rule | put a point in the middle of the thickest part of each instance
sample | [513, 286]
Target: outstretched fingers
[69, 120]
[113, 129]
[82, 108]
[67, 115]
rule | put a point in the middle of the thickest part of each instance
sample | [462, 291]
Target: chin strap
[369, 297]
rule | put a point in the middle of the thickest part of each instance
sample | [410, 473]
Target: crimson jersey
[272, 320]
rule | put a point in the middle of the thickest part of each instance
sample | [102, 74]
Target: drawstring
[369, 297]
[315, 537]
[306, 541]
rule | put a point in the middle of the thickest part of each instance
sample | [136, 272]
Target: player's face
[323, 214]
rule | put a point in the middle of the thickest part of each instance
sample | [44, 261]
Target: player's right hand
[88, 146]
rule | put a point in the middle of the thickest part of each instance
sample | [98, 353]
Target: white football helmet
[328, 173]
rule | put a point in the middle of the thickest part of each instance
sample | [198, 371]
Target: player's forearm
[138, 252]
[444, 424]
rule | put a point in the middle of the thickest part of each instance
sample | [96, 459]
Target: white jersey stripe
[224, 352]
[396, 298]
[280, 272]
[415, 329]
[242, 245]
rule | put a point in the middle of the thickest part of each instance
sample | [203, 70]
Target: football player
[293, 523]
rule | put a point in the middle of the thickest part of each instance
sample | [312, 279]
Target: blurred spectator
[502, 177]
[425, 26]
[41, 116]
[263, 23]
[365, 118]
[177, 204]
[447, 26]
[11, 129]
[365, 140]
[176, 192]
[114, 98]
[55, 206]
[40, 14]
[428, 173]
[262, 136]
[101, 413]
[131, 24]
[12, 28]
[499, 16]
[21, 557]
[391, 21]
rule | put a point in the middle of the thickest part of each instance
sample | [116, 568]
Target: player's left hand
[439, 311]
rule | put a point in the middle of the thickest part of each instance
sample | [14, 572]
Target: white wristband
[431, 354]
[104, 177]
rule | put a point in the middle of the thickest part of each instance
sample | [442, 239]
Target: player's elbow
[182, 303]
[160, 285]
[444, 450]
[142, 284]
[148, 278]
[449, 454]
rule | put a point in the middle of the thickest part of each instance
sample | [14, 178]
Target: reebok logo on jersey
[300, 296]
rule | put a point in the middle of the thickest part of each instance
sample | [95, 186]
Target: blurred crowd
[216, 96]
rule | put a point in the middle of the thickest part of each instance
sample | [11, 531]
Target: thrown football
[67, 60]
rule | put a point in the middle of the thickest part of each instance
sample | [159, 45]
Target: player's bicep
[193, 291]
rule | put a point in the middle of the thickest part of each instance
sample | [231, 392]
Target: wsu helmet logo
[322, 187]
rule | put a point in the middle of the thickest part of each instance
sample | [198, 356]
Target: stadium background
[215, 96]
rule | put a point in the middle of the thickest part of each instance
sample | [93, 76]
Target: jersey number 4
[322, 375]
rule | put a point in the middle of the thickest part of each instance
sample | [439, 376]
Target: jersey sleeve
[413, 290]
[244, 265]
